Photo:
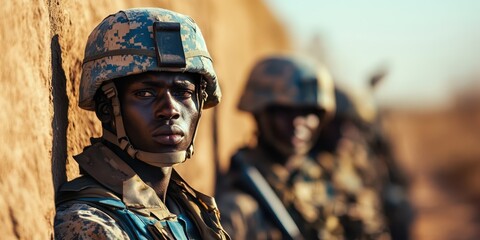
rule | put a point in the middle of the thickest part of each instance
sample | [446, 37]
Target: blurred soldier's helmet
[127, 43]
[349, 106]
[139, 40]
[288, 80]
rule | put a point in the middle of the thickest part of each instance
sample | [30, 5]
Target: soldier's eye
[144, 93]
[183, 93]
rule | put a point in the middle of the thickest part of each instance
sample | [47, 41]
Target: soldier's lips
[171, 139]
[298, 142]
[168, 135]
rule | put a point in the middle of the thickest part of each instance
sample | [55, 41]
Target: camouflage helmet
[127, 43]
[288, 80]
[350, 106]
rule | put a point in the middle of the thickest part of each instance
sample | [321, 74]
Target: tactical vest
[140, 213]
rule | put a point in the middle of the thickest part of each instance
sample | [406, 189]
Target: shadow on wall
[60, 116]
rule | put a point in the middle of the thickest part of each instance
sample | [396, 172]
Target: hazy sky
[430, 47]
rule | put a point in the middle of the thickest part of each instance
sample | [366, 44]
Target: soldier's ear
[103, 108]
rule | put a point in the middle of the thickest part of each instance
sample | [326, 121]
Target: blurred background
[428, 101]
[430, 49]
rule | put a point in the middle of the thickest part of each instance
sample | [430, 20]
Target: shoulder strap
[83, 187]
[253, 182]
[202, 208]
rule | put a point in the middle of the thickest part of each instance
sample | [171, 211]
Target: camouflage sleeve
[242, 218]
[82, 221]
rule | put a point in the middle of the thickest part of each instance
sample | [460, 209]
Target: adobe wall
[42, 127]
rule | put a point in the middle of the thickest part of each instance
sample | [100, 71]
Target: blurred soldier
[343, 152]
[274, 190]
[351, 152]
[147, 74]
[394, 181]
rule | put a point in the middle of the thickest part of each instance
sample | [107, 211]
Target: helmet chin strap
[120, 139]
[201, 98]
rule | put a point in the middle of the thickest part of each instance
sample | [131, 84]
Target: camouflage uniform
[303, 191]
[353, 172]
[82, 221]
[287, 81]
[78, 218]
[110, 201]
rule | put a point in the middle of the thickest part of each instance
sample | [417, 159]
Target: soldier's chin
[290, 150]
[301, 146]
[163, 148]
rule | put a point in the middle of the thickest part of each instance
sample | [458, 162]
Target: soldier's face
[159, 110]
[292, 130]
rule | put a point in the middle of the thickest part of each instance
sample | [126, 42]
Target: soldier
[274, 190]
[147, 74]
[355, 174]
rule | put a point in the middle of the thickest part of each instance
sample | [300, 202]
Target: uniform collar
[106, 167]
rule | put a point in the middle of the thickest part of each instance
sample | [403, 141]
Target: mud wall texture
[42, 127]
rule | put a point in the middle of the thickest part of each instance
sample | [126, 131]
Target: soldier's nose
[167, 107]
